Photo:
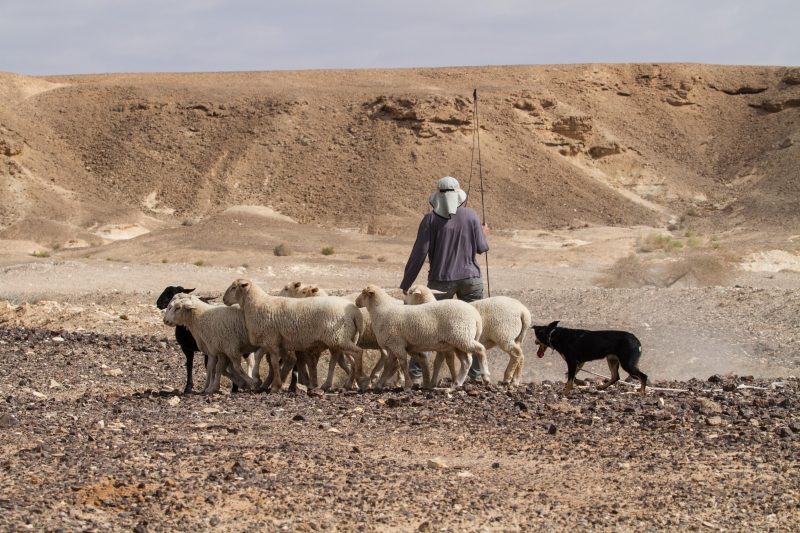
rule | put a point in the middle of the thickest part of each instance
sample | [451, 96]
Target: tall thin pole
[480, 174]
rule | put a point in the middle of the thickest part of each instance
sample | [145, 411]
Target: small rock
[113, 372]
[101, 424]
[8, 421]
[714, 421]
[661, 403]
[777, 385]
[495, 465]
[54, 384]
[785, 433]
[522, 406]
[174, 401]
[211, 410]
[214, 521]
[704, 405]
[465, 474]
[436, 463]
[58, 339]
[333, 430]
[298, 418]
[424, 527]
[552, 429]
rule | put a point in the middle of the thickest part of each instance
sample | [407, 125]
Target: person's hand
[486, 230]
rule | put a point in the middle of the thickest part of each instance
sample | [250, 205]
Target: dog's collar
[550, 338]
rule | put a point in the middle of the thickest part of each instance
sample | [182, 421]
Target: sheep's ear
[297, 284]
[416, 291]
[244, 284]
[314, 290]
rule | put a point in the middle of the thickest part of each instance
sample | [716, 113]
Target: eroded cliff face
[601, 144]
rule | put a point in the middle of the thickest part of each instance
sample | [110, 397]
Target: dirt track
[122, 451]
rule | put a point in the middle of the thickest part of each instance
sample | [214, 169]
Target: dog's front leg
[572, 369]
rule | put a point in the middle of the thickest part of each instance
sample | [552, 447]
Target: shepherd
[450, 235]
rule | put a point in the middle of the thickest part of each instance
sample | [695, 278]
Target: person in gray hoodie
[450, 236]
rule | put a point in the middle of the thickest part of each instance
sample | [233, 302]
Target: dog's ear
[187, 291]
[553, 325]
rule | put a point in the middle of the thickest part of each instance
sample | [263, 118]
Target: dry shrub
[659, 241]
[703, 269]
[696, 268]
[282, 250]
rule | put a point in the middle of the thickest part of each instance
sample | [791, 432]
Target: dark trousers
[469, 290]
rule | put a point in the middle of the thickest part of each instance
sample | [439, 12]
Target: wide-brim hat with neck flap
[448, 198]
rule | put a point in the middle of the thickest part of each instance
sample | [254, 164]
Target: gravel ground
[95, 438]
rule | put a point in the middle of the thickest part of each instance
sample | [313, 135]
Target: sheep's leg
[237, 373]
[287, 363]
[401, 356]
[466, 363]
[189, 353]
[477, 349]
[378, 366]
[520, 365]
[211, 363]
[274, 364]
[311, 369]
[254, 363]
[217, 369]
[389, 369]
[356, 375]
[514, 361]
[334, 360]
[437, 366]
[450, 359]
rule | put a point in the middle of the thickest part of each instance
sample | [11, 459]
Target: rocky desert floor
[96, 434]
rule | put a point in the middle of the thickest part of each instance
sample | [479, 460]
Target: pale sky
[94, 36]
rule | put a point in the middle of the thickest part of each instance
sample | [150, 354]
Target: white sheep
[220, 333]
[505, 323]
[280, 325]
[450, 325]
[367, 341]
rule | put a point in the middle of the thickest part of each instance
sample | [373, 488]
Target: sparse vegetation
[659, 241]
[41, 253]
[328, 250]
[364, 257]
[164, 261]
[282, 250]
[245, 265]
[696, 267]
[199, 263]
[381, 259]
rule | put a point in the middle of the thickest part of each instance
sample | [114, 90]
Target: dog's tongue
[540, 352]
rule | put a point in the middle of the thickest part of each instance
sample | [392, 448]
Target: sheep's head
[420, 294]
[367, 296]
[237, 291]
[169, 292]
[175, 315]
[292, 290]
[310, 292]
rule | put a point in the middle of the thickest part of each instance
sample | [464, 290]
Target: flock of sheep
[294, 328]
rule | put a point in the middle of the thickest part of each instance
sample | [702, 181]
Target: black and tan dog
[578, 346]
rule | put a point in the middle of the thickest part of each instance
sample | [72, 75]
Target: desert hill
[599, 144]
